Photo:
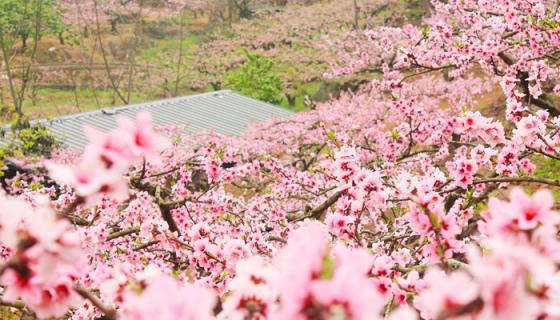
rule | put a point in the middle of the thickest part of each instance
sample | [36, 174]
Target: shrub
[257, 79]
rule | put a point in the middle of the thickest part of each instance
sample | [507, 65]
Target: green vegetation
[19, 19]
[168, 47]
[34, 141]
[161, 56]
[257, 79]
[53, 102]
[548, 168]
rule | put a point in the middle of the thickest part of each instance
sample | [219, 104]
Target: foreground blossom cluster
[403, 200]
[43, 257]
[511, 273]
[107, 158]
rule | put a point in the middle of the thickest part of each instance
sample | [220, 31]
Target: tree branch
[122, 233]
[316, 212]
[549, 182]
[110, 313]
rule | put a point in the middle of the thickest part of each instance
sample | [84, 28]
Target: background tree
[19, 19]
[256, 78]
[23, 20]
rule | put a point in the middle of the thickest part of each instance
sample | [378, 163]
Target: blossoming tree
[386, 203]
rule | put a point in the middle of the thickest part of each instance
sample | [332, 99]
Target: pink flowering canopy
[403, 200]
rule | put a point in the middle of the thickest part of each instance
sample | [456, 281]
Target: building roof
[223, 112]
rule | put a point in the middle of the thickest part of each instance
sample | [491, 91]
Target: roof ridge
[134, 106]
[225, 111]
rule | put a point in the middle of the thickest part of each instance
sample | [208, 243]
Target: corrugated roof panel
[224, 112]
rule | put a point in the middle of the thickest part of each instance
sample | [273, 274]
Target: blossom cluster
[389, 202]
[107, 158]
[43, 257]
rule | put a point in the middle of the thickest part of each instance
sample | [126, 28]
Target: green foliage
[257, 79]
[2, 160]
[548, 168]
[22, 18]
[33, 141]
[14, 312]
[36, 141]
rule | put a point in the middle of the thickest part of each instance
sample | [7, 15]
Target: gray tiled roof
[224, 112]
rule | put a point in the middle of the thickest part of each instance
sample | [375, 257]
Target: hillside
[161, 55]
[421, 179]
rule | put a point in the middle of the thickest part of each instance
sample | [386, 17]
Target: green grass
[310, 89]
[168, 49]
[548, 168]
[161, 50]
[56, 102]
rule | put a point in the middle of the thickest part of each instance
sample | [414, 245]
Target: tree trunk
[230, 9]
[356, 14]
[114, 25]
[23, 42]
[6, 61]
